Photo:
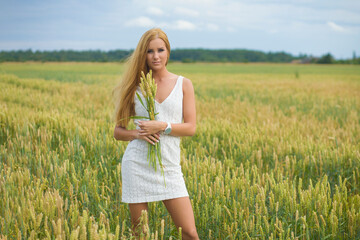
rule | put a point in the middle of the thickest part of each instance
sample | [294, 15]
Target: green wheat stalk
[148, 89]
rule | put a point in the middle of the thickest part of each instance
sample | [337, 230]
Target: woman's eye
[150, 51]
[161, 50]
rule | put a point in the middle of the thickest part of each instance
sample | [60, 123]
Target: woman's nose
[156, 55]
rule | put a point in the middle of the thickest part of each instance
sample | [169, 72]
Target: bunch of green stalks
[148, 89]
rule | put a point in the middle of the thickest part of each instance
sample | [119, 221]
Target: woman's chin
[157, 67]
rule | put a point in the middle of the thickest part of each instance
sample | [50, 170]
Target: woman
[175, 103]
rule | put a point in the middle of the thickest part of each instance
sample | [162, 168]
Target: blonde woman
[175, 103]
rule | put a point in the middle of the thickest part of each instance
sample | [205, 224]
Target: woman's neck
[161, 74]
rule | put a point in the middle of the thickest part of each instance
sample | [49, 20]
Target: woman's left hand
[151, 127]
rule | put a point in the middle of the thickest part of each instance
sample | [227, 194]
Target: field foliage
[276, 154]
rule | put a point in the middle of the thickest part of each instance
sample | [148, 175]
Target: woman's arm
[121, 133]
[187, 128]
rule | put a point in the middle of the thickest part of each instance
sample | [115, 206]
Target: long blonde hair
[124, 93]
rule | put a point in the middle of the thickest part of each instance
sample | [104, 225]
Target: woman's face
[157, 54]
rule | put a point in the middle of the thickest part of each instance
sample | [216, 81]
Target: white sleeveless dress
[140, 182]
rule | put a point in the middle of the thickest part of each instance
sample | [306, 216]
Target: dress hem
[155, 199]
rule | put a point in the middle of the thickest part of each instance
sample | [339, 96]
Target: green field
[276, 154]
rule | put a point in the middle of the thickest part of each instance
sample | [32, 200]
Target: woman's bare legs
[135, 212]
[182, 214]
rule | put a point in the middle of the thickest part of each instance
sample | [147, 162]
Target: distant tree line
[229, 55]
[182, 55]
[64, 56]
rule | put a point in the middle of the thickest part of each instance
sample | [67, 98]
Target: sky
[294, 26]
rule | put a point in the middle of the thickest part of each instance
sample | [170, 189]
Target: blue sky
[301, 26]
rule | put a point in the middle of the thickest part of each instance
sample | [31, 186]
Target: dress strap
[180, 82]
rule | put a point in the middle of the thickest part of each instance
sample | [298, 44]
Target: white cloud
[336, 27]
[179, 25]
[186, 12]
[147, 22]
[140, 22]
[183, 25]
[155, 11]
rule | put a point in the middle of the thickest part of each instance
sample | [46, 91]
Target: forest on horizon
[177, 55]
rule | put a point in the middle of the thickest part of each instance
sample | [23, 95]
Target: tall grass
[275, 156]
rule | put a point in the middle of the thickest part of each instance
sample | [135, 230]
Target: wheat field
[276, 154]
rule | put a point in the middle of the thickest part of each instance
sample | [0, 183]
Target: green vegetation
[229, 55]
[64, 56]
[275, 156]
[177, 55]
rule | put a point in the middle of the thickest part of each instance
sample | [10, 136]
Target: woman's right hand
[121, 133]
[150, 138]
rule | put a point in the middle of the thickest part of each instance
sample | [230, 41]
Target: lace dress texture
[140, 182]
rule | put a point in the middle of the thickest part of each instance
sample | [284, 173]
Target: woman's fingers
[150, 139]
[147, 132]
[153, 138]
[150, 127]
[142, 132]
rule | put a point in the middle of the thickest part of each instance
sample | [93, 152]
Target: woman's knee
[137, 212]
[190, 234]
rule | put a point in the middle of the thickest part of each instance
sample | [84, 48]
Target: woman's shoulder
[186, 82]
[187, 85]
